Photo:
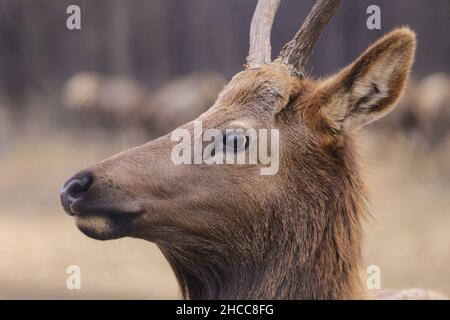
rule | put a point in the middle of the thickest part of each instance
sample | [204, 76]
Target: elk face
[142, 193]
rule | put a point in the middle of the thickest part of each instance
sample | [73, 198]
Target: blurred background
[140, 68]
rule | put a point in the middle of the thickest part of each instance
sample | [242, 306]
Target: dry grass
[408, 236]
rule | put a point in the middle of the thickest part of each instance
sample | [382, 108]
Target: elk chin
[105, 226]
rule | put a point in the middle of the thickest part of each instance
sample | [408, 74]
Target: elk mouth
[102, 223]
[98, 214]
[102, 226]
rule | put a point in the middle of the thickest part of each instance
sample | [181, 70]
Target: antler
[260, 51]
[296, 52]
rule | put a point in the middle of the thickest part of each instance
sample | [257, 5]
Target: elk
[121, 102]
[229, 232]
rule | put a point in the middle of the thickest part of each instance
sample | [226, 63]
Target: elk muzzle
[94, 219]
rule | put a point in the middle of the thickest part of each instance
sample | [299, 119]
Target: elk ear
[368, 88]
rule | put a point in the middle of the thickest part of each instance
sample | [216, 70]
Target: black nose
[74, 189]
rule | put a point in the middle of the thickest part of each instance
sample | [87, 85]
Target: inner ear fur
[368, 88]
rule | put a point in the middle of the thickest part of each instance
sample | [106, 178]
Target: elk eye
[235, 141]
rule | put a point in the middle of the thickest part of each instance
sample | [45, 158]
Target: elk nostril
[75, 188]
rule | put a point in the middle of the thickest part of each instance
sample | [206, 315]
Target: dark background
[157, 40]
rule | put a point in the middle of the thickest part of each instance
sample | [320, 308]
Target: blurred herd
[120, 103]
[423, 112]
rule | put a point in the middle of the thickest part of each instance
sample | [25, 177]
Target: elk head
[227, 230]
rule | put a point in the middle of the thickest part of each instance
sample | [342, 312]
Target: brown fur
[230, 233]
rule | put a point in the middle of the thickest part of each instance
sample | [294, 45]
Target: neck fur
[308, 250]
